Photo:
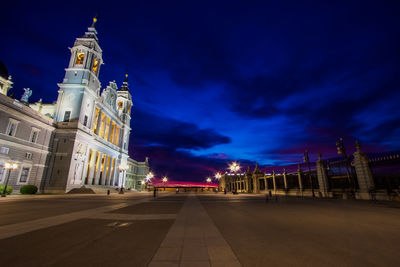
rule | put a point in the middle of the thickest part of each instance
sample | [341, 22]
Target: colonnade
[105, 127]
[101, 169]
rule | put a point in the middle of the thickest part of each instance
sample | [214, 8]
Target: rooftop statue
[26, 95]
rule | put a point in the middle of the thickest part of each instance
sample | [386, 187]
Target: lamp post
[234, 167]
[8, 166]
[165, 180]
[342, 151]
[149, 176]
[122, 169]
[307, 160]
[218, 177]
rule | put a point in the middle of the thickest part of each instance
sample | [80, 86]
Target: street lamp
[149, 176]
[342, 151]
[122, 168]
[208, 180]
[8, 166]
[307, 160]
[234, 167]
[218, 176]
[165, 180]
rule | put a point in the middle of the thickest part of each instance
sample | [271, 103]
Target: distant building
[136, 174]
[80, 140]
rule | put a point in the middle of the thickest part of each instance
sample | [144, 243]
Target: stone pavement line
[194, 240]
[29, 226]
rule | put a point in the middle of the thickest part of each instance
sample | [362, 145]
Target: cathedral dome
[3, 71]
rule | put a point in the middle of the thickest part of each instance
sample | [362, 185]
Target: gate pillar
[364, 174]
[299, 178]
[248, 176]
[322, 177]
[256, 179]
[285, 180]
[266, 184]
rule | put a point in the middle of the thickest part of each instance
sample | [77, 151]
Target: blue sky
[212, 82]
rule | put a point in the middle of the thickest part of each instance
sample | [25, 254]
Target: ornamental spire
[91, 32]
[125, 84]
[94, 22]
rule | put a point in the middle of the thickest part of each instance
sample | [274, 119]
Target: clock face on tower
[95, 65]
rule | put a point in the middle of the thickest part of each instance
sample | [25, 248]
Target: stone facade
[82, 139]
[26, 137]
[136, 174]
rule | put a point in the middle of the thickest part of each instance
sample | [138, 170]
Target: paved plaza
[196, 229]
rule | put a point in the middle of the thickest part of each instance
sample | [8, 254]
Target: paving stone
[168, 254]
[194, 253]
[222, 253]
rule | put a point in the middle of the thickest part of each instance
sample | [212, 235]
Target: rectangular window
[67, 115]
[24, 175]
[28, 155]
[139, 183]
[4, 150]
[34, 135]
[85, 119]
[12, 127]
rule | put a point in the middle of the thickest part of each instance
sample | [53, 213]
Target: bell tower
[81, 84]
[124, 106]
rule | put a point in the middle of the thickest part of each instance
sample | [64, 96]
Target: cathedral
[80, 140]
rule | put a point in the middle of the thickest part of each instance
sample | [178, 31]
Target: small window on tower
[79, 58]
[67, 115]
[120, 105]
[95, 65]
[85, 119]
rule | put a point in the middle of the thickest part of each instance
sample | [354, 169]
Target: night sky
[213, 82]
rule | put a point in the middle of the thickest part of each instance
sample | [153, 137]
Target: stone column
[322, 177]
[266, 184]
[97, 174]
[274, 180]
[299, 177]
[364, 174]
[92, 166]
[285, 180]
[222, 182]
[256, 184]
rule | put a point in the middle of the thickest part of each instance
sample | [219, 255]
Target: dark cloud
[162, 131]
